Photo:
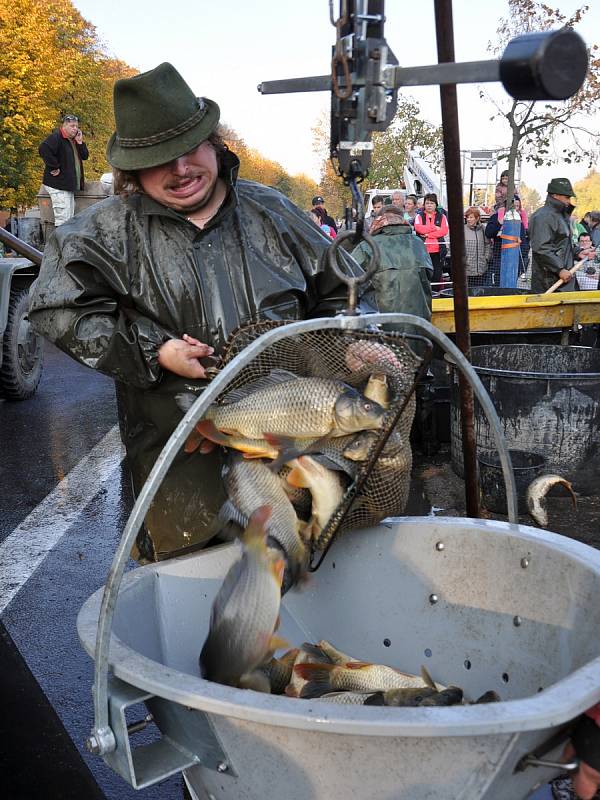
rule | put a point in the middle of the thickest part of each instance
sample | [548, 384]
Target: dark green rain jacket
[551, 245]
[401, 283]
[127, 274]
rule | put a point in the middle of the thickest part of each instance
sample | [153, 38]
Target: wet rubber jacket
[551, 245]
[401, 283]
[128, 273]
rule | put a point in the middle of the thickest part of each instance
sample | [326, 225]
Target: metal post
[471, 185]
[445, 46]
[21, 247]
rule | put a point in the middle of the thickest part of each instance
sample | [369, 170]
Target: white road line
[25, 549]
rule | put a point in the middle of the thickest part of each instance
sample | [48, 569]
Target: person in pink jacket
[432, 226]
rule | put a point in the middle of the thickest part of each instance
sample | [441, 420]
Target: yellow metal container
[522, 312]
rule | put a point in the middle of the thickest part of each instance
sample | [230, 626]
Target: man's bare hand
[79, 137]
[586, 780]
[565, 275]
[181, 356]
[54, 172]
[191, 340]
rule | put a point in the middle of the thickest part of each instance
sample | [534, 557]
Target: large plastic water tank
[548, 400]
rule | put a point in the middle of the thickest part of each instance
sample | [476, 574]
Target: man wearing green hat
[550, 239]
[148, 284]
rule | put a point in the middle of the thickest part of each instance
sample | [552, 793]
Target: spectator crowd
[484, 237]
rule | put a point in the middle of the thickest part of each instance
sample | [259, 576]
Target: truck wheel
[23, 353]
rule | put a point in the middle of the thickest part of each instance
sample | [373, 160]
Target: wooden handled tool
[560, 282]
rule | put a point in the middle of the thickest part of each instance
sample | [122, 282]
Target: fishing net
[352, 357]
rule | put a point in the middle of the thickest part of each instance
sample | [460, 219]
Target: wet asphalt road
[45, 676]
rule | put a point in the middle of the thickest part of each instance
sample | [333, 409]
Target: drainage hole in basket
[428, 652]
[467, 664]
[541, 689]
[387, 642]
[505, 677]
[333, 565]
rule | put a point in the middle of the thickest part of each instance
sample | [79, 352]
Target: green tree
[408, 131]
[545, 133]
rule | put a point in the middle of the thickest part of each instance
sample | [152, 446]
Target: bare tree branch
[536, 128]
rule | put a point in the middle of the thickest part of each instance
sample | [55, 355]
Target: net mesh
[352, 357]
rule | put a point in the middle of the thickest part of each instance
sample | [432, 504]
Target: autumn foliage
[588, 193]
[256, 167]
[53, 63]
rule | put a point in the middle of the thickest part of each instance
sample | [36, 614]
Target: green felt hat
[561, 186]
[158, 118]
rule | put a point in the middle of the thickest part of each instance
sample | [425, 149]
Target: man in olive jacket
[402, 281]
[143, 285]
[550, 239]
[63, 153]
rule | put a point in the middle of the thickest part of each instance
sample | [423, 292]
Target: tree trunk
[512, 160]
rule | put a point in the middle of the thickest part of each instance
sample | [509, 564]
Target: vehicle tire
[23, 351]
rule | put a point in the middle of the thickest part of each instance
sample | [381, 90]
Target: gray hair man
[63, 153]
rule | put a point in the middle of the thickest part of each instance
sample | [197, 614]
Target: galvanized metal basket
[182, 745]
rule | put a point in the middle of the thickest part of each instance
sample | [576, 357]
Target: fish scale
[245, 612]
[251, 484]
[354, 677]
[297, 407]
[378, 676]
[303, 407]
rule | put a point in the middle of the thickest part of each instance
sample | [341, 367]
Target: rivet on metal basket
[517, 621]
[433, 598]
[525, 562]
[439, 546]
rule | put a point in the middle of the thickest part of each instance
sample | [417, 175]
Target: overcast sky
[224, 49]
